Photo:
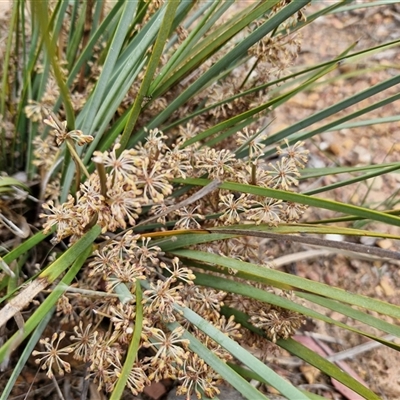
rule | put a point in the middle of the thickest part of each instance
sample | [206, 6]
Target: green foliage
[125, 110]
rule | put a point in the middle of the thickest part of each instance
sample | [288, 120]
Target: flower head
[162, 298]
[253, 141]
[294, 153]
[278, 323]
[232, 207]
[284, 174]
[51, 356]
[168, 346]
[196, 375]
[83, 342]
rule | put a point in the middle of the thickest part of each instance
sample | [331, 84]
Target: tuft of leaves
[124, 110]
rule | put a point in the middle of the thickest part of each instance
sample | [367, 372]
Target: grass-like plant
[141, 128]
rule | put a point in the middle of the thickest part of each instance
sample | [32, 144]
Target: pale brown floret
[104, 262]
[147, 252]
[50, 358]
[196, 375]
[267, 210]
[124, 205]
[34, 110]
[296, 153]
[206, 302]
[278, 323]
[154, 181]
[252, 139]
[83, 342]
[229, 327]
[170, 350]
[137, 378]
[161, 299]
[283, 174]
[62, 134]
[123, 320]
[64, 216]
[123, 168]
[104, 350]
[189, 218]
[216, 163]
[292, 212]
[178, 272]
[231, 208]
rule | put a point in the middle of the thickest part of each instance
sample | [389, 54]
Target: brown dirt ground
[322, 41]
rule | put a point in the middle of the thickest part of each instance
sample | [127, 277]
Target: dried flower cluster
[130, 185]
[141, 177]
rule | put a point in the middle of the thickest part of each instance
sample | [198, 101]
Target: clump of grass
[141, 274]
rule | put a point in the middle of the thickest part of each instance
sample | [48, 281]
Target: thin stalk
[163, 34]
[5, 92]
[40, 10]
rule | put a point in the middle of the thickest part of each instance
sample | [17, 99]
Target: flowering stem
[249, 73]
[78, 162]
[103, 178]
[253, 174]
[151, 69]
[40, 11]
[355, 247]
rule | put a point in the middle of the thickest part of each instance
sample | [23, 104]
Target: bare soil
[324, 40]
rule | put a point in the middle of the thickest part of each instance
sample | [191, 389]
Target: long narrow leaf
[344, 309]
[226, 61]
[46, 306]
[242, 355]
[321, 115]
[249, 291]
[162, 36]
[293, 281]
[212, 43]
[228, 374]
[26, 246]
[302, 199]
[310, 357]
[347, 182]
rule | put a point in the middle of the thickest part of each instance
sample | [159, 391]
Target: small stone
[377, 183]
[396, 147]
[379, 291]
[334, 237]
[272, 390]
[384, 244]
[155, 391]
[310, 373]
[348, 144]
[335, 149]
[368, 240]
[387, 286]
[363, 156]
